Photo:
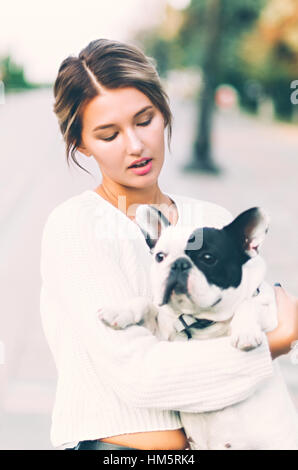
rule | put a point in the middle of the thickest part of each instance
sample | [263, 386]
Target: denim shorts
[98, 445]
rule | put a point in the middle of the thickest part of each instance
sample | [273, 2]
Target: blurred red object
[226, 96]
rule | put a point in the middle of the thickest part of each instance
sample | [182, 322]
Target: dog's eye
[160, 256]
[209, 259]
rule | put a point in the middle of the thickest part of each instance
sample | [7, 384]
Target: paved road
[260, 162]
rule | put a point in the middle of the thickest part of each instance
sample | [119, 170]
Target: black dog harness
[185, 322]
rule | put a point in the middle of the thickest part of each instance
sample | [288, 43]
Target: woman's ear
[84, 151]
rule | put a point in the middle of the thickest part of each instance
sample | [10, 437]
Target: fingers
[282, 294]
[278, 290]
[281, 297]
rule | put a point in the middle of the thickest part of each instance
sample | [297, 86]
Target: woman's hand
[282, 337]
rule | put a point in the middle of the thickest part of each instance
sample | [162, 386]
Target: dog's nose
[181, 264]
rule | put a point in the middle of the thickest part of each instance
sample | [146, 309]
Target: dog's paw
[246, 340]
[117, 319]
[132, 312]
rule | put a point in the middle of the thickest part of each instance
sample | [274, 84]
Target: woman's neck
[128, 199]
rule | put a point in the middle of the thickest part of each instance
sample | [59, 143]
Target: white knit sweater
[126, 381]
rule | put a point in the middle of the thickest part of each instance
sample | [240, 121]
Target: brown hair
[110, 64]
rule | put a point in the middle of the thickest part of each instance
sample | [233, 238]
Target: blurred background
[230, 68]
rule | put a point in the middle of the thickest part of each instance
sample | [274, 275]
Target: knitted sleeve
[80, 273]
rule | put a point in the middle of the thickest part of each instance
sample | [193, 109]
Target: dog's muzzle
[177, 279]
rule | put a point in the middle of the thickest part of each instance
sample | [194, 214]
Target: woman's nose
[135, 145]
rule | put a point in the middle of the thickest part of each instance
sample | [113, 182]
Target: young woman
[124, 388]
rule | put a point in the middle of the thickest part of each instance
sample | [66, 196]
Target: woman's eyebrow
[105, 126]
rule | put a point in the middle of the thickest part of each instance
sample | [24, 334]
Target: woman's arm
[281, 338]
[81, 273]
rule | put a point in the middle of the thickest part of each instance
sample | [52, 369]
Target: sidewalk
[260, 162]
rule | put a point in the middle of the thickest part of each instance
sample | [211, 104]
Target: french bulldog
[209, 282]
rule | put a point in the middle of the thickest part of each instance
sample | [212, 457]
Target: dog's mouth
[174, 289]
[180, 290]
[177, 292]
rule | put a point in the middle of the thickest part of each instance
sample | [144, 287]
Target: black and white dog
[206, 283]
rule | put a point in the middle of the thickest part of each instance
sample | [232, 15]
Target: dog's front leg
[136, 310]
[267, 307]
[245, 327]
[166, 320]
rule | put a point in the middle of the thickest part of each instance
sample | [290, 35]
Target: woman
[123, 388]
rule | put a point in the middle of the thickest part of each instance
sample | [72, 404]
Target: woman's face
[120, 127]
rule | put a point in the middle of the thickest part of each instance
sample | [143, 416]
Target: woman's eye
[108, 139]
[145, 123]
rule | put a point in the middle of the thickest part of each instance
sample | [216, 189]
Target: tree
[203, 159]
[207, 34]
[222, 23]
[12, 74]
[270, 53]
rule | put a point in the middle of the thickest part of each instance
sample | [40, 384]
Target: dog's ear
[250, 229]
[151, 221]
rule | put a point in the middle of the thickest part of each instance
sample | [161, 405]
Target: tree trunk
[202, 157]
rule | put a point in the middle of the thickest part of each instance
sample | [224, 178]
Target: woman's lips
[142, 170]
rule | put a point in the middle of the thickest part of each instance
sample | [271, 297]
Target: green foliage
[12, 75]
[238, 19]
[186, 48]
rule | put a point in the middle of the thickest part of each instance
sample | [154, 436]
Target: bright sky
[40, 34]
